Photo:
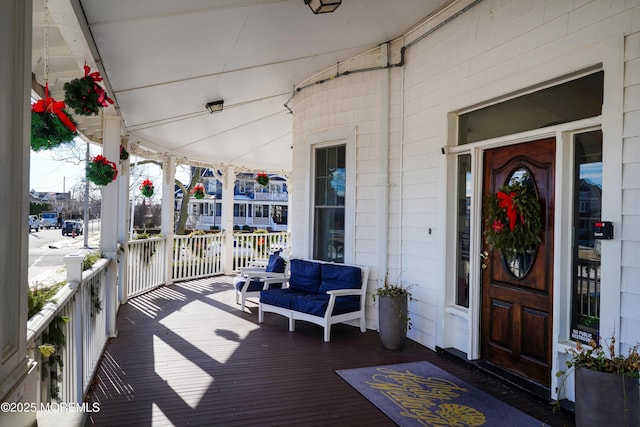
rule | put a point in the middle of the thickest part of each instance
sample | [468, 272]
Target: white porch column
[15, 122]
[168, 213]
[124, 216]
[228, 183]
[109, 218]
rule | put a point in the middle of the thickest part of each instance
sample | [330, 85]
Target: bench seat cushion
[255, 285]
[281, 297]
[310, 303]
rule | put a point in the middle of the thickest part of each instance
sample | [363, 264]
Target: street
[48, 247]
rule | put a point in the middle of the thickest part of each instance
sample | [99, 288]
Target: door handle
[484, 255]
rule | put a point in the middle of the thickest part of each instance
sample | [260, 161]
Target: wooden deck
[187, 355]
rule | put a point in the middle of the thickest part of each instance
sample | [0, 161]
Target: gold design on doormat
[424, 399]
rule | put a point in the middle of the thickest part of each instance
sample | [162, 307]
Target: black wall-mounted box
[603, 230]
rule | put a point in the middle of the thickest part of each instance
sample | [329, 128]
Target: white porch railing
[76, 321]
[198, 255]
[266, 195]
[195, 256]
[146, 265]
[257, 246]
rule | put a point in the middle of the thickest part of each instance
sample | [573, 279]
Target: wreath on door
[512, 222]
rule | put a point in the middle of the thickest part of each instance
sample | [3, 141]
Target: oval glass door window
[519, 264]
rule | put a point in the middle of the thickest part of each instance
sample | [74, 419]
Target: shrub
[90, 259]
[39, 296]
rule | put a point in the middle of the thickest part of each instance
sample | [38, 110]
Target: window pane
[330, 176]
[566, 102]
[464, 229]
[329, 234]
[280, 214]
[585, 311]
[329, 197]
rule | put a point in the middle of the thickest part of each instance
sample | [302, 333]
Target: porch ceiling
[163, 60]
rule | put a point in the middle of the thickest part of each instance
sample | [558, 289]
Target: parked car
[34, 223]
[72, 228]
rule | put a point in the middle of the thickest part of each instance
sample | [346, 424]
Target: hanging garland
[146, 188]
[85, 95]
[512, 220]
[124, 154]
[50, 124]
[198, 191]
[101, 171]
[262, 179]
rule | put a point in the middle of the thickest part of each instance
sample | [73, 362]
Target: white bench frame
[247, 274]
[328, 319]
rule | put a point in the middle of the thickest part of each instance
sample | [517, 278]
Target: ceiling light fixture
[323, 6]
[214, 106]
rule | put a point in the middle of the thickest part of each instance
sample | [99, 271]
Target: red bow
[506, 201]
[103, 99]
[146, 183]
[50, 105]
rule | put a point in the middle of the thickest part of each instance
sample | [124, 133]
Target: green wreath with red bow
[512, 221]
[84, 95]
[198, 191]
[101, 171]
[146, 188]
[262, 179]
[50, 124]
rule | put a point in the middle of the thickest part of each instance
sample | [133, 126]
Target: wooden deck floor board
[186, 355]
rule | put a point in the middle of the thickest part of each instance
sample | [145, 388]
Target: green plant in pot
[393, 314]
[606, 384]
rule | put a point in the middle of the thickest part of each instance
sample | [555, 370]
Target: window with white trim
[329, 183]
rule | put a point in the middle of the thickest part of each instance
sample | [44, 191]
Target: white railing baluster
[197, 256]
[84, 335]
[146, 265]
[77, 350]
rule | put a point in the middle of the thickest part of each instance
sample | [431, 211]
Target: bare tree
[78, 199]
[74, 153]
[196, 172]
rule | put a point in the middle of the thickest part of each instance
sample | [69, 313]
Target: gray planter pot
[604, 399]
[392, 323]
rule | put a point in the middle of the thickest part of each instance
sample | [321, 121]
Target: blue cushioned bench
[319, 292]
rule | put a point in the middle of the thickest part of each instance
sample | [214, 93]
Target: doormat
[421, 394]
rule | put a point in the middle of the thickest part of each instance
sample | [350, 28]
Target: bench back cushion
[338, 276]
[305, 275]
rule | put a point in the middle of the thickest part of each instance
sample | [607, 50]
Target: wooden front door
[517, 299]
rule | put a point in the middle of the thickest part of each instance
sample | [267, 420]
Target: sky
[50, 175]
[49, 172]
[47, 175]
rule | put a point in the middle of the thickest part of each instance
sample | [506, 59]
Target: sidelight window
[587, 206]
[463, 229]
